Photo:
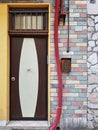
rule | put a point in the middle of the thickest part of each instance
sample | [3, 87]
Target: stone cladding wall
[92, 70]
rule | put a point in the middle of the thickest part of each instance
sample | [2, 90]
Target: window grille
[28, 20]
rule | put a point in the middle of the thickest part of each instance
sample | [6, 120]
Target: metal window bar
[25, 20]
[36, 21]
[42, 21]
[46, 20]
[20, 21]
[28, 11]
[14, 21]
[31, 19]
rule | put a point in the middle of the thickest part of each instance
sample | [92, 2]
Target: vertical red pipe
[59, 108]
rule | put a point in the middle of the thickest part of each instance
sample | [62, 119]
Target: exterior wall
[92, 7]
[75, 83]
[93, 70]
[92, 63]
[4, 74]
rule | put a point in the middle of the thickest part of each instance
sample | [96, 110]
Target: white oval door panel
[28, 78]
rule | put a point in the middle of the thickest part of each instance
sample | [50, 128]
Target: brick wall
[75, 83]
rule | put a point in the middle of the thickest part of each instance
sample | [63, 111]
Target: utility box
[65, 65]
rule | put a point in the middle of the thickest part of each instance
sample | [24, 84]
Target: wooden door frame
[6, 6]
[37, 5]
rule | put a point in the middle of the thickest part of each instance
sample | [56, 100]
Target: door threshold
[28, 124]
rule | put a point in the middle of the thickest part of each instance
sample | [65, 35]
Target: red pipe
[59, 108]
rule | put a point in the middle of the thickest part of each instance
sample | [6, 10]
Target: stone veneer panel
[92, 63]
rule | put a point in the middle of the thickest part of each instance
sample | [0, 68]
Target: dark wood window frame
[28, 32]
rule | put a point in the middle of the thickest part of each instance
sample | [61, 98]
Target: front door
[28, 78]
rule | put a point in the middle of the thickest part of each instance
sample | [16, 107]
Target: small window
[92, 1]
[28, 20]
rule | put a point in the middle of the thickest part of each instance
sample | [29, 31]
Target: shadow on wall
[80, 123]
[73, 124]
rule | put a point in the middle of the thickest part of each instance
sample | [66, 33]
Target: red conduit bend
[59, 108]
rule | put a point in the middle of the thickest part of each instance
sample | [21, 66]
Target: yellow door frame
[5, 56]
